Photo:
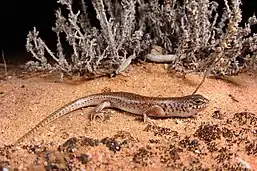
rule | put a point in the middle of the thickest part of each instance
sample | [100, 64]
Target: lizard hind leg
[156, 111]
[97, 111]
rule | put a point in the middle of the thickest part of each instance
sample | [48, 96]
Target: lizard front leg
[96, 112]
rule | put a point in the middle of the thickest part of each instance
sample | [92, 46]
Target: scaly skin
[185, 106]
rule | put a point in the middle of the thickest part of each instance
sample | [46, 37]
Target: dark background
[18, 17]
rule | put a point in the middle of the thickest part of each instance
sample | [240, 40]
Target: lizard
[159, 107]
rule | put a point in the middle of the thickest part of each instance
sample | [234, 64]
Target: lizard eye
[197, 101]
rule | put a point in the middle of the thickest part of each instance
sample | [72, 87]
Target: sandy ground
[222, 137]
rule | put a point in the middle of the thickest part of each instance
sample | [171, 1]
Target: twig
[161, 58]
[205, 75]
[233, 98]
[207, 71]
[5, 66]
[125, 64]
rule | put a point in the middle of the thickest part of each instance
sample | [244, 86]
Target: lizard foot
[97, 111]
[149, 121]
[95, 116]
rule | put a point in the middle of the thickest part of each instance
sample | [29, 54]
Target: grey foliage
[191, 30]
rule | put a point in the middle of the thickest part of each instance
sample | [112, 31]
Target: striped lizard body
[185, 106]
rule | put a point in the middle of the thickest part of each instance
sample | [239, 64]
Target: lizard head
[193, 104]
[197, 102]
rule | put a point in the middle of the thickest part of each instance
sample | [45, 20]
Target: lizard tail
[72, 106]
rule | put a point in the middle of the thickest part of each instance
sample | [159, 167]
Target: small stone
[197, 152]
